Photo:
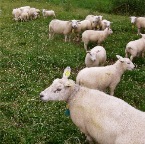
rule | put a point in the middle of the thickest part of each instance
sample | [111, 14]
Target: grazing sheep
[24, 16]
[48, 13]
[16, 14]
[32, 13]
[95, 36]
[139, 22]
[95, 57]
[62, 27]
[94, 20]
[136, 48]
[103, 77]
[104, 119]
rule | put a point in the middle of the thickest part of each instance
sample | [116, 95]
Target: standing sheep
[139, 22]
[104, 24]
[94, 20]
[104, 119]
[95, 57]
[48, 13]
[16, 14]
[136, 48]
[95, 36]
[103, 77]
[62, 27]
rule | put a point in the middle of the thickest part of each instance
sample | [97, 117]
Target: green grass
[30, 62]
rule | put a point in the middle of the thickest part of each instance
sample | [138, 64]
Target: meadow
[30, 62]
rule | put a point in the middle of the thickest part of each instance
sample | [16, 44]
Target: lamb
[139, 22]
[82, 26]
[104, 24]
[62, 27]
[32, 13]
[94, 20]
[48, 13]
[102, 118]
[16, 14]
[95, 57]
[103, 77]
[24, 16]
[135, 48]
[95, 36]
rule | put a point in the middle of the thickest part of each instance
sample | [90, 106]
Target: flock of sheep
[26, 13]
[103, 118]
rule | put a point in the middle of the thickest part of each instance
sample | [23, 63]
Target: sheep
[24, 16]
[82, 26]
[16, 14]
[139, 22]
[95, 36]
[104, 24]
[62, 27]
[95, 57]
[135, 48]
[94, 20]
[32, 13]
[103, 77]
[48, 13]
[102, 118]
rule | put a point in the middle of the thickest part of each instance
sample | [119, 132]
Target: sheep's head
[60, 89]
[133, 19]
[107, 23]
[109, 31]
[93, 54]
[126, 63]
[74, 23]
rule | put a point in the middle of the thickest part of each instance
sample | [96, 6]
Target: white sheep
[139, 22]
[95, 57]
[62, 27]
[136, 48]
[24, 16]
[82, 26]
[104, 77]
[104, 24]
[16, 13]
[48, 13]
[32, 13]
[94, 20]
[104, 119]
[95, 36]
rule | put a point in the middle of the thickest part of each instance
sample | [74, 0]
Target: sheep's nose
[41, 95]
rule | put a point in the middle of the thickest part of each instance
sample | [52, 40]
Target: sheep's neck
[73, 93]
[119, 67]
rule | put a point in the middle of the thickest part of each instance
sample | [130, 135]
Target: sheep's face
[96, 19]
[92, 55]
[109, 30]
[107, 23]
[133, 19]
[59, 90]
[126, 62]
[74, 24]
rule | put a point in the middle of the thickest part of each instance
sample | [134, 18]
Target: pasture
[30, 62]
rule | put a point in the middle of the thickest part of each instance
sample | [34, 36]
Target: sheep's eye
[128, 63]
[57, 90]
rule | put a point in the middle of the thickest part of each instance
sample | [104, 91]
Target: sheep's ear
[120, 58]
[69, 83]
[67, 72]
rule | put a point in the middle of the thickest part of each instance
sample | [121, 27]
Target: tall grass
[30, 62]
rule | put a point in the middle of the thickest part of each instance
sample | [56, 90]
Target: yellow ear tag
[97, 26]
[132, 26]
[67, 72]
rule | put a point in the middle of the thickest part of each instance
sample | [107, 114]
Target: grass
[30, 62]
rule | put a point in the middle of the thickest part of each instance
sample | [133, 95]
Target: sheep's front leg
[131, 58]
[65, 39]
[85, 46]
[112, 88]
[139, 31]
